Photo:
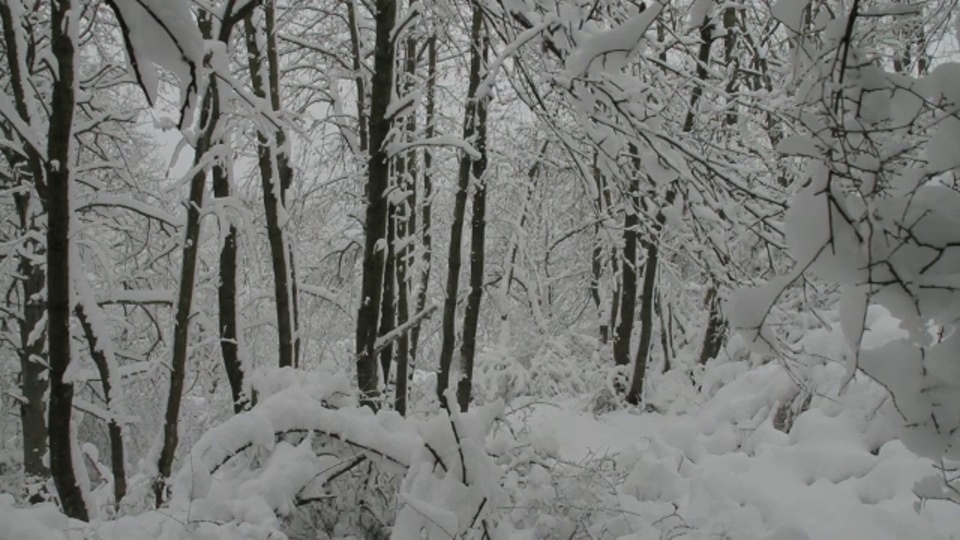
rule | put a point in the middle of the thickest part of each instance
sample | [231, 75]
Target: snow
[162, 33]
[790, 13]
[609, 50]
[717, 463]
[820, 481]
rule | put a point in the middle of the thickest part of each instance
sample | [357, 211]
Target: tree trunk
[388, 315]
[596, 266]
[114, 430]
[209, 116]
[664, 332]
[33, 358]
[478, 226]
[646, 323]
[358, 73]
[459, 211]
[227, 297]
[511, 264]
[227, 285]
[716, 327]
[378, 175]
[427, 197]
[275, 176]
[407, 224]
[617, 291]
[33, 380]
[59, 159]
[628, 288]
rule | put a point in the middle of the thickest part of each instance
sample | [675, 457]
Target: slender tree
[406, 225]
[375, 221]
[471, 120]
[426, 198]
[276, 176]
[208, 122]
[468, 346]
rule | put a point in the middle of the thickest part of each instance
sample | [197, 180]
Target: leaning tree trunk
[479, 223]
[188, 271]
[114, 430]
[275, 176]
[375, 220]
[470, 122]
[59, 158]
[514, 250]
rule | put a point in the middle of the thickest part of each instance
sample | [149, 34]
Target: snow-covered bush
[563, 366]
[244, 476]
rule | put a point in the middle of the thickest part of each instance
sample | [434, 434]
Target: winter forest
[480, 269]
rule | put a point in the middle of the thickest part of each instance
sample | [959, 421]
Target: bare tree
[474, 117]
[276, 176]
[209, 119]
[375, 221]
[63, 21]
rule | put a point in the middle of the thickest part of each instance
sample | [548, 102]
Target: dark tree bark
[227, 298]
[33, 381]
[114, 430]
[478, 226]
[635, 393]
[716, 327]
[358, 73]
[665, 337]
[617, 291]
[596, 266]
[227, 286]
[28, 171]
[63, 103]
[209, 118]
[388, 305]
[406, 225]
[459, 212]
[188, 270]
[276, 176]
[375, 220]
[426, 198]
[646, 318]
[628, 287]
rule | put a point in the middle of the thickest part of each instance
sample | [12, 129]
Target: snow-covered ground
[839, 473]
[739, 450]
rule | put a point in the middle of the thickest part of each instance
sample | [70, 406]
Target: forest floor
[740, 449]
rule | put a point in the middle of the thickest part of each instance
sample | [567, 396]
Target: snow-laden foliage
[876, 215]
